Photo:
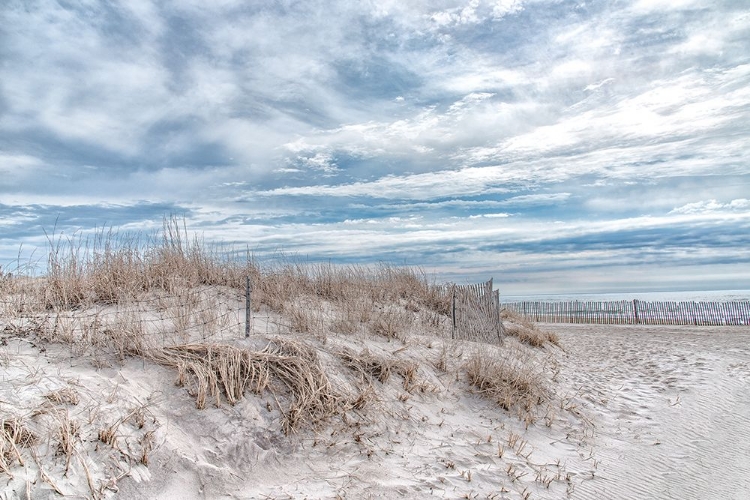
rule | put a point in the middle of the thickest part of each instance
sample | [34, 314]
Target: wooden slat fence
[475, 312]
[635, 312]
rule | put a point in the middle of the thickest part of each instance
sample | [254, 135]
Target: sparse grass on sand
[526, 331]
[509, 376]
[163, 300]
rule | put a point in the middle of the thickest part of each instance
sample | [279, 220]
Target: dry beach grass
[329, 349]
[126, 373]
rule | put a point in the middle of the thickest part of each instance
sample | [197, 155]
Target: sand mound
[618, 412]
[281, 414]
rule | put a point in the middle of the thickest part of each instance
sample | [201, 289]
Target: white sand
[672, 408]
[650, 412]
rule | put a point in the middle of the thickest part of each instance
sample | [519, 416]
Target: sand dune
[632, 412]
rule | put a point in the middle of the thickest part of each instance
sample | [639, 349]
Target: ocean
[690, 296]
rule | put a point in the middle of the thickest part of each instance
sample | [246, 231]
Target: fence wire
[206, 314]
[154, 319]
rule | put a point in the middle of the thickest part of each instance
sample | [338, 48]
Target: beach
[671, 406]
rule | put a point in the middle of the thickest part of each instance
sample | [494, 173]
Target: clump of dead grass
[217, 369]
[66, 395]
[392, 323]
[66, 436]
[284, 365]
[380, 368]
[14, 435]
[109, 434]
[507, 377]
[302, 317]
[355, 291]
[526, 331]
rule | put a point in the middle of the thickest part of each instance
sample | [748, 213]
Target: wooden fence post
[500, 327]
[248, 306]
[453, 311]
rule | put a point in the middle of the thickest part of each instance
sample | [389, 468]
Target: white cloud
[475, 12]
[537, 199]
[571, 69]
[713, 206]
[649, 6]
[320, 161]
[485, 77]
[457, 15]
[469, 181]
[18, 161]
[501, 8]
[490, 216]
[595, 86]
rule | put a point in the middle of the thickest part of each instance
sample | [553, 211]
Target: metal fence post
[248, 306]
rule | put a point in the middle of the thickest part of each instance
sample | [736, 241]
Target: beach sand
[631, 413]
[671, 406]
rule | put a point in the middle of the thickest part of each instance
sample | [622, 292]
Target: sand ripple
[672, 409]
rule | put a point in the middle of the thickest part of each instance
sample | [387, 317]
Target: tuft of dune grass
[526, 331]
[14, 435]
[507, 377]
[283, 365]
[372, 366]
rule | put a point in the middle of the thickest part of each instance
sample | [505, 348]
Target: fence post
[635, 310]
[248, 306]
[453, 311]
[500, 327]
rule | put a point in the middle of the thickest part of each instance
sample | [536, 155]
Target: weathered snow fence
[475, 312]
[635, 312]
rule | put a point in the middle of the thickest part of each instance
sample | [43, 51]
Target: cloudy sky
[558, 146]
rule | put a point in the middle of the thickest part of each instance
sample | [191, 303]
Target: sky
[556, 146]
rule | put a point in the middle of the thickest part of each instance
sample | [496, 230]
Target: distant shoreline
[681, 296]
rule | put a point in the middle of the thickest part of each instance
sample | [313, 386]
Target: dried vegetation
[164, 298]
[14, 435]
[510, 377]
[526, 331]
[380, 368]
[216, 370]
